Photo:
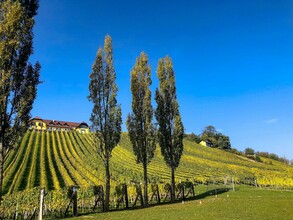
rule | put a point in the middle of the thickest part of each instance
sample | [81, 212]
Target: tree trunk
[107, 194]
[172, 184]
[145, 177]
[1, 170]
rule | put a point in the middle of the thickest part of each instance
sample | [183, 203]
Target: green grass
[244, 203]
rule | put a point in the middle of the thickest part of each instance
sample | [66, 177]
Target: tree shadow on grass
[179, 200]
[211, 193]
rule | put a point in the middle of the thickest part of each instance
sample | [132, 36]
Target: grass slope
[58, 159]
[245, 203]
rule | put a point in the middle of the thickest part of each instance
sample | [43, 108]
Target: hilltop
[58, 159]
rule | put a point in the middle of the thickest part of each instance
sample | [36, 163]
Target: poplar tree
[140, 122]
[18, 77]
[171, 130]
[106, 114]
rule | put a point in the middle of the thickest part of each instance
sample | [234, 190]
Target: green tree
[18, 77]
[106, 114]
[273, 156]
[215, 139]
[209, 135]
[193, 137]
[249, 151]
[171, 130]
[223, 142]
[140, 121]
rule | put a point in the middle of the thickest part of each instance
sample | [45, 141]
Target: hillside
[58, 159]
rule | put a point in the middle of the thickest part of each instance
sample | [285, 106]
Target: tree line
[215, 139]
[212, 138]
[143, 132]
[257, 154]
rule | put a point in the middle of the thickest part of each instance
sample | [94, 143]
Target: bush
[257, 158]
[249, 151]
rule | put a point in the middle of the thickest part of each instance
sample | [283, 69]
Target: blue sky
[233, 61]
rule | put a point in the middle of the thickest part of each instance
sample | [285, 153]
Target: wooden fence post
[215, 187]
[140, 195]
[182, 191]
[73, 200]
[158, 195]
[16, 212]
[74, 204]
[99, 196]
[41, 204]
[192, 188]
[126, 196]
[103, 199]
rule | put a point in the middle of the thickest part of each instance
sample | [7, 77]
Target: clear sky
[233, 61]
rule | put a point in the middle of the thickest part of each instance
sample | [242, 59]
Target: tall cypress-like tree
[106, 114]
[18, 78]
[140, 122]
[171, 130]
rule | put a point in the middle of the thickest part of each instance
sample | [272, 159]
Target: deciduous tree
[171, 130]
[209, 135]
[193, 137]
[215, 139]
[223, 142]
[140, 122]
[18, 77]
[106, 114]
[249, 151]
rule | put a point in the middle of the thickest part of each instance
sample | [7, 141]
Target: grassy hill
[58, 159]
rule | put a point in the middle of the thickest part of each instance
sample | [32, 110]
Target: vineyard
[57, 159]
